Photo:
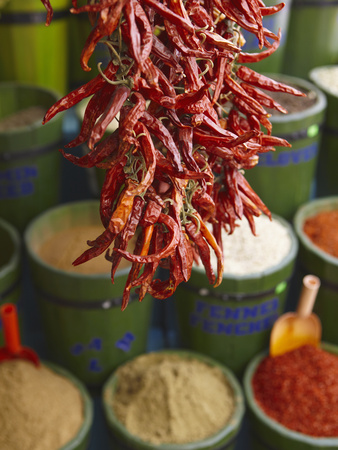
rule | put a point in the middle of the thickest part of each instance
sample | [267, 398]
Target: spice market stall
[192, 120]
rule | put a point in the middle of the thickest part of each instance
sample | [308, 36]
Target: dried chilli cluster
[190, 119]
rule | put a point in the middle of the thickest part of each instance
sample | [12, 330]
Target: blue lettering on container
[94, 344]
[94, 366]
[125, 342]
[238, 321]
[17, 182]
[288, 157]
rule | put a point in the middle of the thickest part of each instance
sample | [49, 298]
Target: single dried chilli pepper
[245, 58]
[81, 93]
[264, 82]
[169, 15]
[113, 182]
[116, 101]
[157, 128]
[262, 97]
[128, 123]
[165, 55]
[49, 9]
[93, 111]
[203, 249]
[128, 232]
[94, 157]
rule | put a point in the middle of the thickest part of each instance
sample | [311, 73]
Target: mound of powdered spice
[299, 389]
[63, 247]
[246, 253]
[164, 398]
[39, 409]
[322, 230]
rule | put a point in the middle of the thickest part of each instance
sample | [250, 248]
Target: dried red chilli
[190, 119]
[299, 389]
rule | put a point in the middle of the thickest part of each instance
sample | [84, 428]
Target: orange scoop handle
[9, 317]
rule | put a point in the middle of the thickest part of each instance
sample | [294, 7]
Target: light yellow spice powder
[39, 409]
[169, 399]
[63, 247]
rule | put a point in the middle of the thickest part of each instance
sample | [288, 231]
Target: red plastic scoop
[13, 348]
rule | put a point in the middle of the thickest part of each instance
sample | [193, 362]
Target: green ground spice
[39, 409]
[164, 398]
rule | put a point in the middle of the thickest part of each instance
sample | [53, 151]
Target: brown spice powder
[63, 247]
[322, 230]
[24, 117]
[169, 399]
[39, 409]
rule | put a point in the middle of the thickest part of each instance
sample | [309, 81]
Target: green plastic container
[31, 52]
[267, 434]
[85, 329]
[312, 36]
[273, 23]
[30, 163]
[224, 439]
[285, 179]
[313, 260]
[327, 182]
[232, 322]
[10, 267]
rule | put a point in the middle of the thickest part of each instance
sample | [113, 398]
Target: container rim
[210, 442]
[317, 107]
[273, 424]
[88, 413]
[14, 260]
[275, 268]
[315, 78]
[310, 209]
[38, 260]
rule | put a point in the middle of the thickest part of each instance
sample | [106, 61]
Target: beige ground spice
[24, 117]
[63, 247]
[165, 398]
[39, 409]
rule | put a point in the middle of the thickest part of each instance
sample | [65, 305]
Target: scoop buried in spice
[292, 330]
[13, 348]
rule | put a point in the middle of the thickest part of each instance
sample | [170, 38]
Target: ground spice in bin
[322, 230]
[161, 399]
[299, 389]
[63, 247]
[39, 408]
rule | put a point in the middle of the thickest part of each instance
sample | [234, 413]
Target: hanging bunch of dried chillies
[191, 117]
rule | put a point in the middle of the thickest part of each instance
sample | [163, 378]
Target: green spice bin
[225, 439]
[85, 329]
[232, 322]
[312, 36]
[327, 183]
[314, 260]
[268, 434]
[10, 266]
[30, 163]
[285, 178]
[30, 51]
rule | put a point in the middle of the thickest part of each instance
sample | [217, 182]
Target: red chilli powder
[322, 230]
[299, 389]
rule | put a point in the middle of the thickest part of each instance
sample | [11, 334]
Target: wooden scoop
[13, 348]
[292, 330]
